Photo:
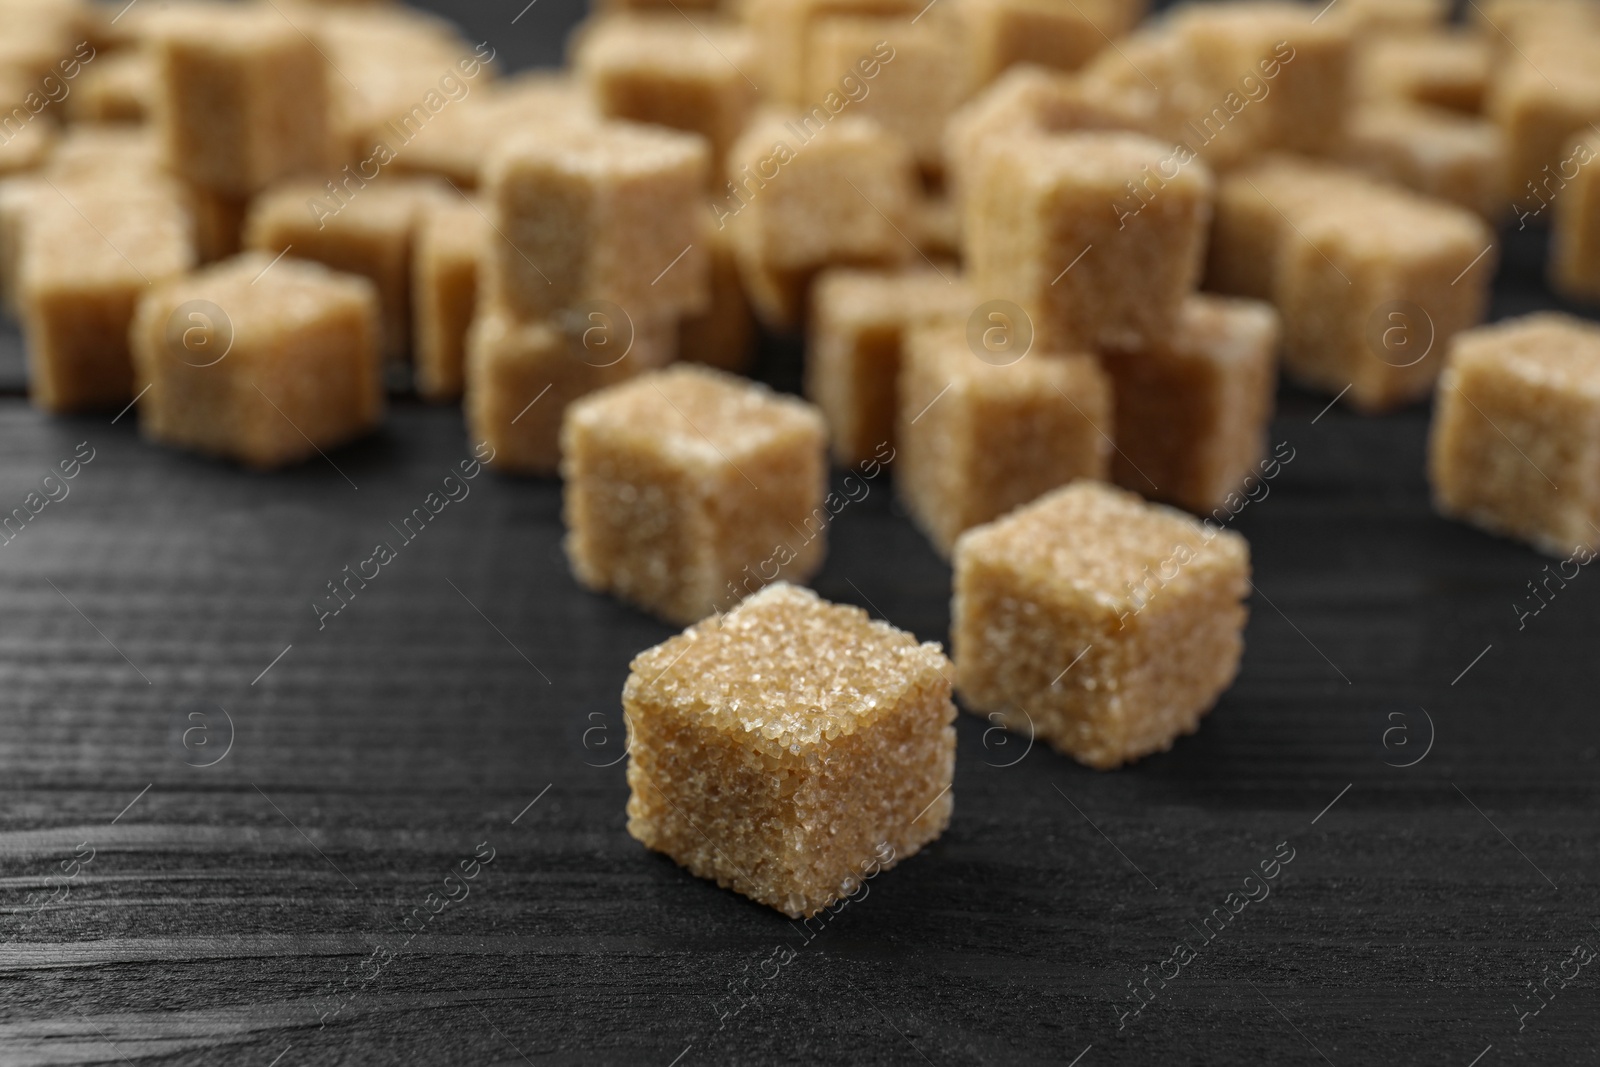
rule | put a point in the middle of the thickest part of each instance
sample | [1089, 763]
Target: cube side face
[1242, 257]
[78, 357]
[545, 262]
[445, 285]
[1514, 455]
[324, 381]
[1010, 644]
[887, 785]
[713, 103]
[934, 438]
[1050, 424]
[1011, 32]
[187, 405]
[797, 832]
[851, 374]
[1312, 89]
[202, 116]
[1575, 235]
[722, 335]
[1006, 243]
[1147, 674]
[288, 119]
[638, 524]
[519, 382]
[1169, 409]
[768, 520]
[1151, 260]
[644, 224]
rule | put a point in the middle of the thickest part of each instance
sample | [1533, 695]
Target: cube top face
[105, 234]
[942, 350]
[1103, 162]
[265, 302]
[388, 207]
[610, 154]
[233, 31]
[669, 46]
[1092, 546]
[1226, 331]
[1446, 135]
[847, 298]
[1443, 68]
[786, 672]
[90, 151]
[1548, 350]
[702, 418]
[1391, 227]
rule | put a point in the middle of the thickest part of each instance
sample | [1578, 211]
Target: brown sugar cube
[1372, 290]
[812, 190]
[1443, 68]
[859, 321]
[723, 335]
[791, 749]
[1302, 61]
[1516, 431]
[1541, 103]
[520, 376]
[689, 489]
[242, 96]
[1063, 34]
[458, 140]
[1254, 209]
[1121, 202]
[784, 32]
[1192, 412]
[1031, 99]
[264, 363]
[977, 438]
[1575, 232]
[450, 239]
[365, 229]
[115, 88]
[18, 197]
[1103, 624]
[666, 70]
[913, 93]
[1442, 154]
[610, 213]
[88, 254]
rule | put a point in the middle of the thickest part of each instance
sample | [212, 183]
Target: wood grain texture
[231, 913]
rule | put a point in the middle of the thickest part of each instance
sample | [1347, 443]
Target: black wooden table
[226, 827]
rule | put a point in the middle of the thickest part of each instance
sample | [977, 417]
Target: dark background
[223, 911]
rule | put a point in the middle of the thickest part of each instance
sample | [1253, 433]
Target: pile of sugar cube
[1047, 258]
